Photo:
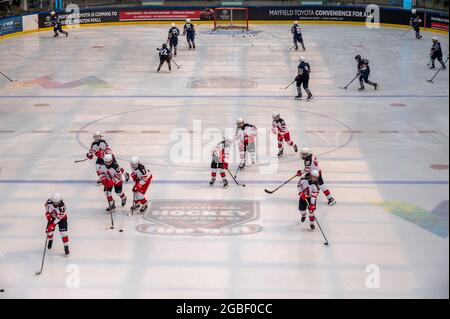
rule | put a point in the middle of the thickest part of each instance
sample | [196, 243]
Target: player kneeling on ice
[172, 39]
[55, 211]
[436, 53]
[165, 55]
[220, 161]
[57, 25]
[111, 176]
[246, 135]
[312, 164]
[280, 129]
[142, 179]
[189, 31]
[308, 190]
[363, 71]
[304, 70]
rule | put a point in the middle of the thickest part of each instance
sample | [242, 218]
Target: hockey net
[230, 18]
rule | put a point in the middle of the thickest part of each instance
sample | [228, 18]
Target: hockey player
[363, 70]
[172, 38]
[297, 34]
[57, 26]
[142, 179]
[55, 211]
[280, 129]
[414, 22]
[99, 148]
[302, 78]
[165, 55]
[246, 135]
[311, 163]
[111, 177]
[436, 53]
[189, 31]
[308, 190]
[220, 161]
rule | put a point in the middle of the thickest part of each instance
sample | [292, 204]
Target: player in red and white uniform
[111, 176]
[142, 179]
[311, 163]
[279, 128]
[55, 211]
[308, 190]
[246, 137]
[99, 148]
[220, 157]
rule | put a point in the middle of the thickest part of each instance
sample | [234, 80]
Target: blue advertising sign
[10, 25]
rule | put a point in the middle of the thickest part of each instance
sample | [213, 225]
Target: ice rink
[384, 155]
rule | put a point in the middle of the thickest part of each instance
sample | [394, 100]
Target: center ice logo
[198, 217]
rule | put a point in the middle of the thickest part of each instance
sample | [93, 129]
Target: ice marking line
[289, 97]
[317, 132]
[152, 108]
[257, 182]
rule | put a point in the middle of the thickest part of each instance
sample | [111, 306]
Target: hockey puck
[326, 244]
[2, 290]
[121, 230]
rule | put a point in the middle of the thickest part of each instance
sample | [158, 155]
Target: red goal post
[230, 18]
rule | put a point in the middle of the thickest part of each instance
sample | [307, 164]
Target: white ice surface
[370, 151]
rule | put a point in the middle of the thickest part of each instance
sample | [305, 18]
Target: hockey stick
[79, 161]
[110, 213]
[290, 179]
[234, 179]
[37, 273]
[287, 87]
[345, 87]
[317, 221]
[326, 243]
[440, 69]
[8, 78]
[405, 32]
[132, 207]
[175, 63]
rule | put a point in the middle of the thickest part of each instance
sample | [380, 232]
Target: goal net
[230, 18]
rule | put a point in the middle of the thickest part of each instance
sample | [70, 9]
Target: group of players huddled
[112, 177]
[311, 181]
[169, 49]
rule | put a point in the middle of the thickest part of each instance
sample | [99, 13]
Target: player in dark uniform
[165, 55]
[297, 34]
[414, 22]
[302, 78]
[436, 53]
[57, 26]
[189, 32]
[172, 38]
[363, 70]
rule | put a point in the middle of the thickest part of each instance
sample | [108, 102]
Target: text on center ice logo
[201, 217]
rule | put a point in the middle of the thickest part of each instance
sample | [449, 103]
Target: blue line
[255, 182]
[211, 96]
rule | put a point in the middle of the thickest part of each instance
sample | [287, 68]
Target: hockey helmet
[435, 39]
[52, 13]
[413, 11]
[108, 159]
[240, 121]
[134, 162]
[56, 198]
[275, 115]
[357, 57]
[97, 136]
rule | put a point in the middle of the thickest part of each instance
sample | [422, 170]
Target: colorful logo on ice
[201, 217]
[48, 82]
